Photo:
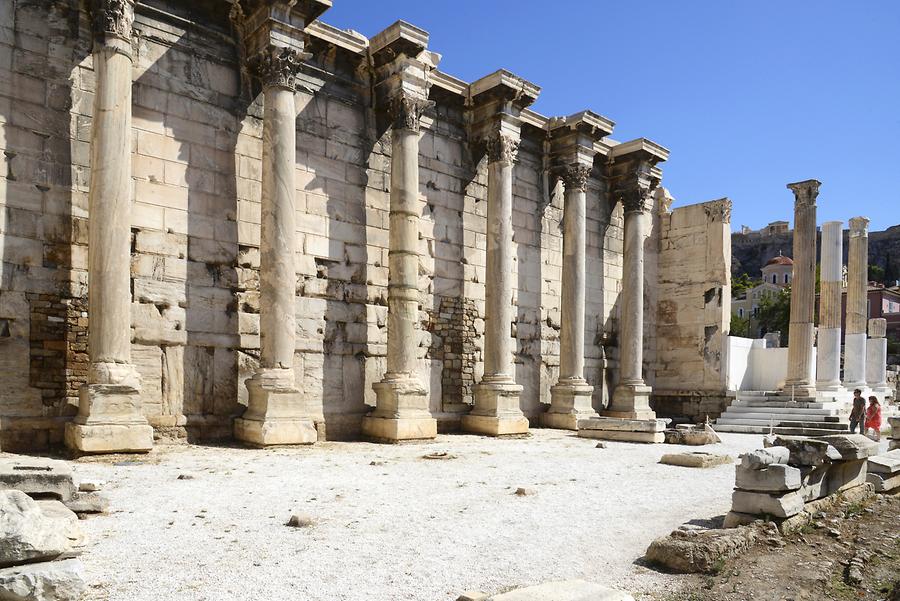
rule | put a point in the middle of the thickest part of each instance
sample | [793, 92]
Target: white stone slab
[774, 478]
[626, 425]
[779, 506]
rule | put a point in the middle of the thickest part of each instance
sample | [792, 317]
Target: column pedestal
[854, 361]
[400, 414]
[273, 413]
[496, 411]
[109, 420]
[570, 401]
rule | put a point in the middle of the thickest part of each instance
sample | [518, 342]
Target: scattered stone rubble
[565, 590]
[690, 549]
[777, 482]
[692, 435]
[695, 459]
[40, 538]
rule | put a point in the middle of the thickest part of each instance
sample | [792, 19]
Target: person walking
[873, 418]
[858, 413]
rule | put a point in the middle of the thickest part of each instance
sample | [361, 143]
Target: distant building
[883, 302]
[779, 270]
[777, 275]
[775, 228]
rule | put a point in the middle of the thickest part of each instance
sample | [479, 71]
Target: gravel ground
[208, 523]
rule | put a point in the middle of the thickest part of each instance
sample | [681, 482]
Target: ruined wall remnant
[693, 311]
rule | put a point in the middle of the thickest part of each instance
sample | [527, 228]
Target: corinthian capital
[718, 210]
[859, 226]
[405, 110]
[501, 148]
[112, 18]
[277, 66]
[575, 176]
[805, 192]
[635, 191]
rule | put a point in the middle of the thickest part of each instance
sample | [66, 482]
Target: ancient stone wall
[693, 310]
[196, 158]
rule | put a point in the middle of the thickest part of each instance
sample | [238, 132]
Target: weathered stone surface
[46, 581]
[775, 477]
[66, 520]
[888, 463]
[88, 502]
[692, 436]
[27, 534]
[696, 459]
[884, 482]
[690, 551]
[852, 446]
[761, 458]
[37, 477]
[779, 506]
[807, 451]
[565, 590]
[624, 436]
[624, 425]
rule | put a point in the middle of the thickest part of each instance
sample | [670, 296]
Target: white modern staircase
[762, 412]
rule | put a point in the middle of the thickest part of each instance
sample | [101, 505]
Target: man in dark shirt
[858, 413]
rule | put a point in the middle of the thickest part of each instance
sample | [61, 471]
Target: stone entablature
[195, 232]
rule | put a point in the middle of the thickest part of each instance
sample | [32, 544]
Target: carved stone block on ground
[690, 551]
[775, 477]
[806, 451]
[761, 458]
[696, 459]
[38, 477]
[852, 446]
[756, 503]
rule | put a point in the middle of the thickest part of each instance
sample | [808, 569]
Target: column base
[799, 390]
[109, 420]
[570, 401]
[275, 413]
[401, 412]
[496, 411]
[628, 430]
[631, 401]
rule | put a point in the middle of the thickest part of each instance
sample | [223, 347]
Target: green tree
[740, 326]
[876, 274]
[774, 313]
[741, 284]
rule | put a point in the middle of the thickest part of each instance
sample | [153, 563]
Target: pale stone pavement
[390, 524]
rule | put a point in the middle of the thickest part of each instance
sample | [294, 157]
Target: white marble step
[782, 417]
[784, 411]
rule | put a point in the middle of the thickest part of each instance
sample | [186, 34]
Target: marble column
[401, 411]
[275, 410]
[631, 397]
[857, 304]
[799, 382]
[570, 397]
[876, 358]
[109, 414]
[828, 352]
[496, 411]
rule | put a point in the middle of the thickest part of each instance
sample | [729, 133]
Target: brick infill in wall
[58, 362]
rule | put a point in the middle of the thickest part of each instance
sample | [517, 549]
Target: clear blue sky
[747, 95]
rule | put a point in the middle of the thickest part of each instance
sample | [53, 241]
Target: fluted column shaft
[498, 307]
[403, 287]
[278, 274]
[828, 355]
[857, 304]
[571, 337]
[631, 330]
[109, 204]
[803, 290]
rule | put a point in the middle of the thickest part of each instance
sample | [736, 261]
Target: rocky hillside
[749, 252]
